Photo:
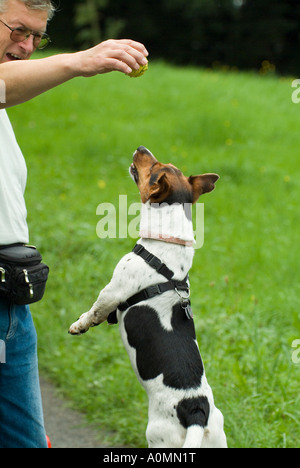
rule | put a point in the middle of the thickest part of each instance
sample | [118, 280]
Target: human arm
[26, 79]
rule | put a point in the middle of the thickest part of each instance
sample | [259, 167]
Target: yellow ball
[139, 72]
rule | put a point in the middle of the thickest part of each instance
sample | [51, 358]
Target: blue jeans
[21, 413]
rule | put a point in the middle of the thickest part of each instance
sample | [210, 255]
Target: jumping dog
[149, 297]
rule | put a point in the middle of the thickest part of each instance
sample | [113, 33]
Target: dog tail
[194, 437]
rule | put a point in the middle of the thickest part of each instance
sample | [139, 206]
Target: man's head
[23, 15]
[45, 5]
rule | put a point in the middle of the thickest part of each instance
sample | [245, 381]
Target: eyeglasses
[40, 40]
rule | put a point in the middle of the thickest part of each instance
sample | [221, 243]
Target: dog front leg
[106, 303]
[122, 285]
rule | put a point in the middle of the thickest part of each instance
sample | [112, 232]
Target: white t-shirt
[13, 176]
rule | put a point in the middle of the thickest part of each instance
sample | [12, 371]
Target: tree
[93, 24]
[241, 33]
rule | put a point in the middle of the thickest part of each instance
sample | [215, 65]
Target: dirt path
[65, 427]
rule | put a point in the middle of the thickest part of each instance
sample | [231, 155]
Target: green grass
[78, 141]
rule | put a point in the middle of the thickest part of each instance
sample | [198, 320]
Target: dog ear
[202, 184]
[160, 190]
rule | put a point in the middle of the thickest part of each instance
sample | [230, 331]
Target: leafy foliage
[239, 33]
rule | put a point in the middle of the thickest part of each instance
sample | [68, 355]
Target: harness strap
[153, 291]
[153, 261]
[156, 289]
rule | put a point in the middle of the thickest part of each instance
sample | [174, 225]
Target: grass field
[78, 141]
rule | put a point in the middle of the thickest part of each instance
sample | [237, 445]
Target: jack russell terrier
[149, 297]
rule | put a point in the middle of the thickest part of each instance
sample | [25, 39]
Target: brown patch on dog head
[160, 183]
[202, 184]
[141, 169]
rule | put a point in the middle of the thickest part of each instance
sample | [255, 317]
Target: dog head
[164, 183]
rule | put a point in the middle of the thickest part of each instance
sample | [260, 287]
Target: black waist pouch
[23, 276]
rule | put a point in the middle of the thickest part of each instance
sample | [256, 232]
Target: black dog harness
[181, 287]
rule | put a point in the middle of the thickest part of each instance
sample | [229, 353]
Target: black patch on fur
[193, 411]
[179, 196]
[112, 319]
[158, 351]
[153, 179]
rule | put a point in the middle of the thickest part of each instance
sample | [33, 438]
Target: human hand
[122, 55]
[26, 79]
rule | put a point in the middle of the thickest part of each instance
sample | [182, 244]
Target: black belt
[18, 244]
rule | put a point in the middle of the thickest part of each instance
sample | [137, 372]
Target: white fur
[131, 275]
[166, 222]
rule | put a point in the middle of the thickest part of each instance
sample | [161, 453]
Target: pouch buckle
[29, 284]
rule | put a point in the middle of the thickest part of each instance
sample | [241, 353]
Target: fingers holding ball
[141, 71]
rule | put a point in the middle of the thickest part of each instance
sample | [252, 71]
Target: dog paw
[79, 327]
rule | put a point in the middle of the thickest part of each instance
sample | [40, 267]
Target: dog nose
[142, 149]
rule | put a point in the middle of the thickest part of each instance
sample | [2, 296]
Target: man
[22, 30]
